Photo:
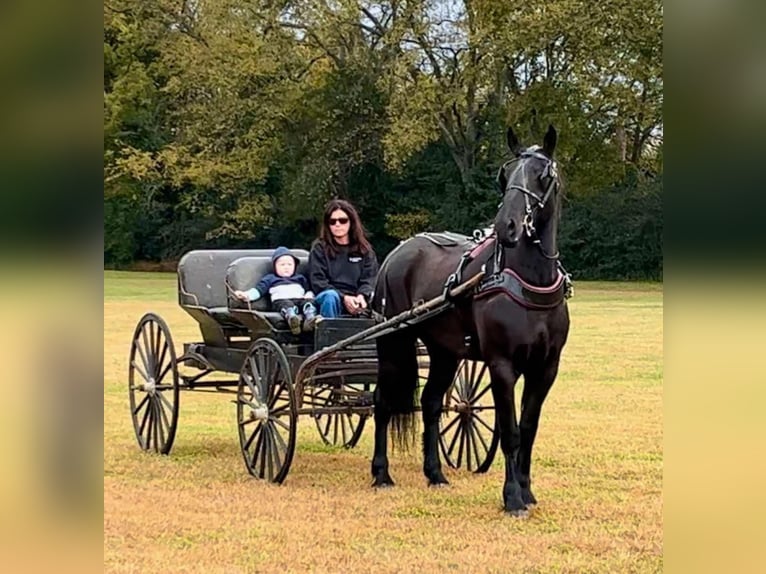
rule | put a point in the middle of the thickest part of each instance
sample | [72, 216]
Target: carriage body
[248, 350]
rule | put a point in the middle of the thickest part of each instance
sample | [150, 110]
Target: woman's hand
[351, 304]
[355, 304]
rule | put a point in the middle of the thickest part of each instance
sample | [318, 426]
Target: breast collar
[509, 283]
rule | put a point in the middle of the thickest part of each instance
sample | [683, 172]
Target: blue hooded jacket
[271, 280]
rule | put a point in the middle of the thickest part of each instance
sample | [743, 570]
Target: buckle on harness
[451, 282]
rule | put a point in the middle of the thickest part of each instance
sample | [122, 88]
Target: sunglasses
[341, 220]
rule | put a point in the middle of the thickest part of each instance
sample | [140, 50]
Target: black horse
[517, 326]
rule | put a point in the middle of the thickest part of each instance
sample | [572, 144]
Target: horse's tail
[396, 391]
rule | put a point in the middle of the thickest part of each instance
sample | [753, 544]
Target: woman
[342, 264]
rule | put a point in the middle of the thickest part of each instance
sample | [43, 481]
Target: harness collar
[529, 296]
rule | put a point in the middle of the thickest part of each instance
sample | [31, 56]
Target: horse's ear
[549, 141]
[513, 142]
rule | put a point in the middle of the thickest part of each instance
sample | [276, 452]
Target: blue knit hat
[281, 251]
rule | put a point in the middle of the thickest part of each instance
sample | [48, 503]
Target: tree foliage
[230, 122]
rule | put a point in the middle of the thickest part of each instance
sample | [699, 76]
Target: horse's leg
[503, 385]
[536, 386]
[380, 475]
[397, 372]
[442, 369]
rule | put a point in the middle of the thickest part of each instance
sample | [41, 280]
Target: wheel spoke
[480, 378]
[164, 399]
[150, 348]
[464, 381]
[248, 421]
[475, 448]
[343, 423]
[142, 403]
[260, 366]
[150, 426]
[483, 392]
[143, 423]
[263, 452]
[460, 445]
[281, 423]
[157, 434]
[467, 429]
[471, 383]
[326, 431]
[256, 451]
[279, 448]
[451, 424]
[249, 441]
[157, 342]
[481, 420]
[140, 371]
[334, 429]
[160, 428]
[161, 408]
[256, 382]
[270, 448]
[476, 430]
[147, 357]
[454, 439]
[282, 443]
[145, 362]
[164, 372]
[268, 368]
[273, 399]
[279, 411]
[247, 403]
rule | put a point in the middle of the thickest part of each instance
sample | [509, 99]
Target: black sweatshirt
[350, 274]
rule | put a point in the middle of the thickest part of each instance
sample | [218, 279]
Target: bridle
[532, 201]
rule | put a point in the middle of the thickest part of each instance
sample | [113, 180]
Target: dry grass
[597, 470]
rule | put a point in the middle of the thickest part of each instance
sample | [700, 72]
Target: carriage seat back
[244, 272]
[201, 275]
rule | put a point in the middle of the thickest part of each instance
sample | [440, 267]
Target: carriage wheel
[467, 432]
[153, 385]
[267, 412]
[336, 429]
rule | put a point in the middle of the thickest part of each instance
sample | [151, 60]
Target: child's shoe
[310, 317]
[310, 323]
[293, 319]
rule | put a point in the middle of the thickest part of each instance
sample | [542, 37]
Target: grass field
[596, 471]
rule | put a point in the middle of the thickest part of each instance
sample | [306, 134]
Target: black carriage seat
[244, 273]
[200, 281]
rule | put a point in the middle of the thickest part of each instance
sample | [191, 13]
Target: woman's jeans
[330, 304]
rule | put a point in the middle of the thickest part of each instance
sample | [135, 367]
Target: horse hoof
[438, 484]
[382, 483]
[523, 513]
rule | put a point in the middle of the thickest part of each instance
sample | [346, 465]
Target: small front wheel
[267, 412]
[337, 428]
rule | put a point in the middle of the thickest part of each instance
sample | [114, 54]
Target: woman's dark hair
[357, 238]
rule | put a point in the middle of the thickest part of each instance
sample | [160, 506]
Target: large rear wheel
[153, 385]
[468, 435]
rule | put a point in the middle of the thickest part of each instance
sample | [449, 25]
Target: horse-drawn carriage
[516, 319]
[328, 374]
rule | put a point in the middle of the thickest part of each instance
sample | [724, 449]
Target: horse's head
[529, 184]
